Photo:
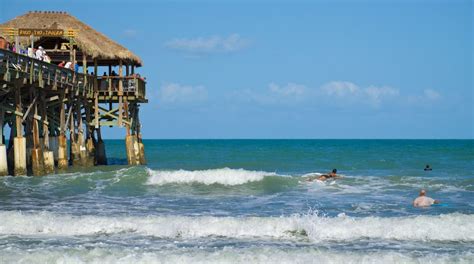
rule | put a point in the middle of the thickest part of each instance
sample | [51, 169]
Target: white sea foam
[224, 176]
[224, 255]
[451, 227]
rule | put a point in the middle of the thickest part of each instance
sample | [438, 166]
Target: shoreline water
[247, 201]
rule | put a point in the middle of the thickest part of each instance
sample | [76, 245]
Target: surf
[312, 227]
[222, 176]
[261, 254]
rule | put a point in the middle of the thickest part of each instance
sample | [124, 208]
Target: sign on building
[40, 32]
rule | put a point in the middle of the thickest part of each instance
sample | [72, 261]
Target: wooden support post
[133, 69]
[74, 62]
[96, 97]
[3, 149]
[90, 148]
[37, 159]
[84, 67]
[129, 147]
[10, 154]
[19, 142]
[80, 142]
[48, 155]
[141, 146]
[127, 124]
[71, 48]
[110, 80]
[74, 155]
[120, 95]
[129, 140]
[134, 159]
[62, 140]
[101, 156]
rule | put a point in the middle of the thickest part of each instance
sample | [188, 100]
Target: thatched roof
[92, 42]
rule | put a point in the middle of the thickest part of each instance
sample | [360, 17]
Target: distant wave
[224, 176]
[450, 227]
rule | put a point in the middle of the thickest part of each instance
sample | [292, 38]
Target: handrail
[37, 61]
[59, 77]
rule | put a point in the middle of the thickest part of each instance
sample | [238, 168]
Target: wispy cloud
[342, 94]
[206, 45]
[274, 94]
[348, 90]
[174, 93]
[340, 89]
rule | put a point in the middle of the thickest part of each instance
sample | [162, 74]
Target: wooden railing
[130, 85]
[14, 66]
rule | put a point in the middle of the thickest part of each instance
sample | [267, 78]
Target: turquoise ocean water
[247, 201]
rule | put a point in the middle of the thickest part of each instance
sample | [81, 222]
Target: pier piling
[19, 152]
[3, 161]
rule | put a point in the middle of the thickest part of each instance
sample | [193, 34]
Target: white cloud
[340, 89]
[377, 94]
[275, 94]
[174, 93]
[290, 90]
[335, 93]
[343, 90]
[213, 44]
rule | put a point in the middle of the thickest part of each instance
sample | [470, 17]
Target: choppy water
[246, 201]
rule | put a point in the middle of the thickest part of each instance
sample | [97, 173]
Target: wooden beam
[29, 109]
[18, 109]
[96, 97]
[120, 93]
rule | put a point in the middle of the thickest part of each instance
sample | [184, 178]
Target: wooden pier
[45, 103]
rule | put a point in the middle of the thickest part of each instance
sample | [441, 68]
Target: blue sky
[281, 69]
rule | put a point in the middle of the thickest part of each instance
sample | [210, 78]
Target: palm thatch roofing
[88, 40]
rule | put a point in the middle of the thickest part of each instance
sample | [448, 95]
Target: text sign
[40, 32]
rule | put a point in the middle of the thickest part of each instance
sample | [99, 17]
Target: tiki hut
[86, 41]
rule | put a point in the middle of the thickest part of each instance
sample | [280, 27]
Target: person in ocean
[424, 201]
[428, 167]
[331, 175]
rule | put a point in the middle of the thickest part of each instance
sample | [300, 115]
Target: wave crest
[224, 176]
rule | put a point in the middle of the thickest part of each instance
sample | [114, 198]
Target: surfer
[424, 201]
[331, 175]
[428, 167]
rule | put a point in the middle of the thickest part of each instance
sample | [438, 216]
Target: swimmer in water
[331, 175]
[424, 201]
[428, 168]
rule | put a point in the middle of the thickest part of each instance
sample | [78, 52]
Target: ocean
[247, 201]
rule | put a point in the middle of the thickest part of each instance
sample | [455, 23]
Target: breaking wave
[224, 176]
[449, 227]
